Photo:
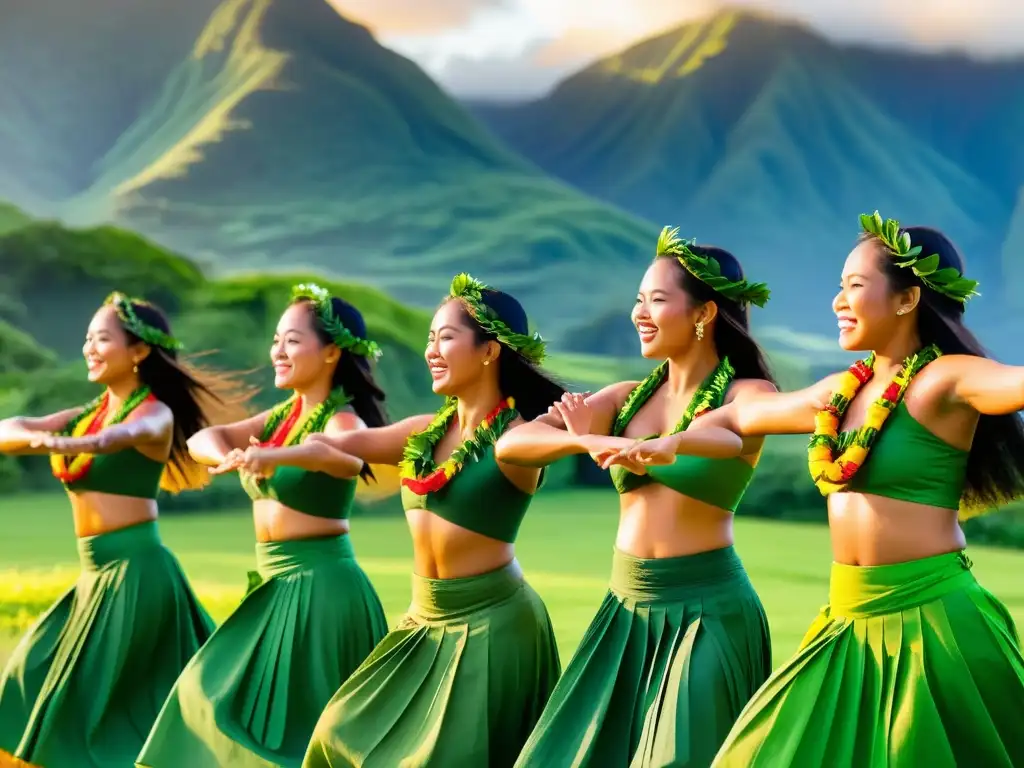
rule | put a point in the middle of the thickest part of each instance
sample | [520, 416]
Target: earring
[700, 330]
[901, 311]
[487, 362]
[135, 368]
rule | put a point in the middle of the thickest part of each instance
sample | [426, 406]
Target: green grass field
[564, 547]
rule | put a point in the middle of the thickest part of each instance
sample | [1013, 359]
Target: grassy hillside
[761, 136]
[283, 134]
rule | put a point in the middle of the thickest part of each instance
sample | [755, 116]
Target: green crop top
[125, 473]
[909, 463]
[312, 493]
[718, 482]
[478, 498]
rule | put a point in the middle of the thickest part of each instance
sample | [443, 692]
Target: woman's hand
[233, 461]
[576, 414]
[619, 458]
[657, 451]
[257, 460]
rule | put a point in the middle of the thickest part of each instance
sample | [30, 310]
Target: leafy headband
[948, 281]
[132, 323]
[709, 271]
[320, 298]
[470, 291]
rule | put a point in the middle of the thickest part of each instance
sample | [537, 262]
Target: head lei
[320, 298]
[124, 306]
[709, 271]
[948, 281]
[470, 292]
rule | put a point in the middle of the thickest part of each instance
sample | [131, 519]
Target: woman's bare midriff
[276, 522]
[873, 530]
[657, 522]
[443, 550]
[95, 513]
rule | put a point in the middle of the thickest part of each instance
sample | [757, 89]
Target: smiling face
[665, 315]
[301, 360]
[109, 356]
[866, 305]
[455, 357]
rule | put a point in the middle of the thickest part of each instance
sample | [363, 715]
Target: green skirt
[676, 650]
[252, 695]
[909, 665]
[460, 682]
[84, 686]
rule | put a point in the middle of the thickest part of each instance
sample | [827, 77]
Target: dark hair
[533, 389]
[732, 326]
[196, 397]
[995, 470]
[353, 372]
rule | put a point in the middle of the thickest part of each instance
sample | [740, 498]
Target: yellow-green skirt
[913, 665]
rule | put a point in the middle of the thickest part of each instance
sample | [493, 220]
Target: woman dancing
[912, 662]
[466, 673]
[680, 642]
[252, 695]
[86, 683]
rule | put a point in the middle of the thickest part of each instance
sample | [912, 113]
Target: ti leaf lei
[418, 471]
[709, 395]
[282, 429]
[470, 291]
[709, 271]
[320, 298]
[948, 281]
[123, 305]
[89, 422]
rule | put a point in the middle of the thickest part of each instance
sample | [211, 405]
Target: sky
[521, 48]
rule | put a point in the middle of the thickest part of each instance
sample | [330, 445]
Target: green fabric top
[909, 463]
[718, 482]
[125, 473]
[312, 493]
[478, 498]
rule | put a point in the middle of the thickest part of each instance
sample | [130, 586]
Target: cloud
[515, 48]
[414, 17]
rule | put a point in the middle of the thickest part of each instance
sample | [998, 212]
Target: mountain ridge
[766, 139]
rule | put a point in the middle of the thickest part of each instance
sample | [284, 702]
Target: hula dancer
[680, 642]
[87, 681]
[252, 695]
[912, 663]
[466, 673]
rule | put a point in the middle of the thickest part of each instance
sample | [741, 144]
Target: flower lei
[320, 298]
[709, 271]
[832, 474]
[417, 469]
[709, 395]
[71, 469]
[282, 428]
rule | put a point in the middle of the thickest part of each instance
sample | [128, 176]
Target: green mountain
[763, 137]
[275, 134]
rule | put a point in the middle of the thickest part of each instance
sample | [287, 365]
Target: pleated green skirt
[252, 695]
[910, 665]
[676, 650]
[460, 682]
[85, 684]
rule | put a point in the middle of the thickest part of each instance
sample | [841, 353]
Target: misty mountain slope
[285, 136]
